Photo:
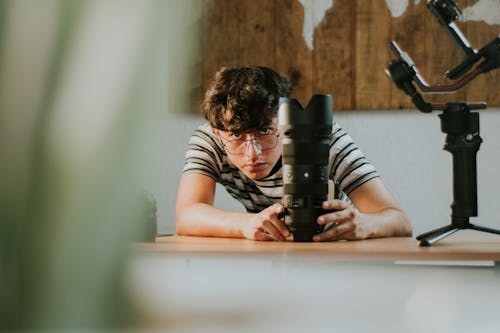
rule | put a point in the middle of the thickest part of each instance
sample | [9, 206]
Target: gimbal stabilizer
[460, 125]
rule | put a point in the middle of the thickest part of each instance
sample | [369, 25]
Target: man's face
[254, 153]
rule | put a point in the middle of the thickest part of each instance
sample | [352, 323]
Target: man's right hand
[266, 225]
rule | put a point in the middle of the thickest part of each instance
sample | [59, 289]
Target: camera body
[305, 137]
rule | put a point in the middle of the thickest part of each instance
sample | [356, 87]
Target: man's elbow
[181, 224]
[406, 229]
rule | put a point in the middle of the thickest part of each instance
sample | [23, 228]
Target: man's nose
[252, 147]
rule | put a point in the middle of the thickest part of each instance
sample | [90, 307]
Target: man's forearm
[390, 222]
[205, 220]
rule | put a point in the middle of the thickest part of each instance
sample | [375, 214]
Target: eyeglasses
[238, 146]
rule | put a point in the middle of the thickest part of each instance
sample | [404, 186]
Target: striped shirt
[347, 167]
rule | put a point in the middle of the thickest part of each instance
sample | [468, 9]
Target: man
[241, 149]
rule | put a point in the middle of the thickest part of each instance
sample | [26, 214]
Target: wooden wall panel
[372, 25]
[257, 33]
[333, 56]
[350, 50]
[196, 81]
[221, 39]
[293, 57]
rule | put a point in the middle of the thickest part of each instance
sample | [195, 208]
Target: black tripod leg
[431, 237]
[485, 229]
[435, 231]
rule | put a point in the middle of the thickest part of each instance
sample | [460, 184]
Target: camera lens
[305, 138]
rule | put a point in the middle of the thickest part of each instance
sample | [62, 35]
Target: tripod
[462, 141]
[460, 125]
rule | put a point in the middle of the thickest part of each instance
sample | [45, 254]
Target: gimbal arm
[404, 72]
[446, 11]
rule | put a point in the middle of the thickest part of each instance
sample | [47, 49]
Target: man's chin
[257, 173]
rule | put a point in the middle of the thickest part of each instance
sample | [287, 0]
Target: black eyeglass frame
[255, 138]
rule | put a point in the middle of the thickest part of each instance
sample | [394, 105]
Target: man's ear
[217, 133]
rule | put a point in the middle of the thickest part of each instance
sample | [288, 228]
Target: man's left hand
[347, 223]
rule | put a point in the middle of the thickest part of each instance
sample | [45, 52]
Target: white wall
[405, 146]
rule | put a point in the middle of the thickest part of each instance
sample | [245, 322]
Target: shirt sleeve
[348, 166]
[203, 155]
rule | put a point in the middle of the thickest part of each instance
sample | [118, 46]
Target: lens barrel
[305, 137]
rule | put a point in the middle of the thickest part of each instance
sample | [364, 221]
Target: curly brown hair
[244, 99]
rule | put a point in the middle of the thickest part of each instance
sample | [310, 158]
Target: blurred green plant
[83, 87]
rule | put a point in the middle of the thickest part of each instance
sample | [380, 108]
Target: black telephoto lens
[305, 137]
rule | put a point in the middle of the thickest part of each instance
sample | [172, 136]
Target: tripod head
[404, 72]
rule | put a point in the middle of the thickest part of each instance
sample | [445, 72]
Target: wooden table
[396, 248]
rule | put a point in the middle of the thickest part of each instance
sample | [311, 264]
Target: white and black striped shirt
[347, 166]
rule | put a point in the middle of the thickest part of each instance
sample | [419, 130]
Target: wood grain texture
[221, 38]
[333, 57]
[257, 33]
[349, 52]
[393, 248]
[371, 87]
[293, 57]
